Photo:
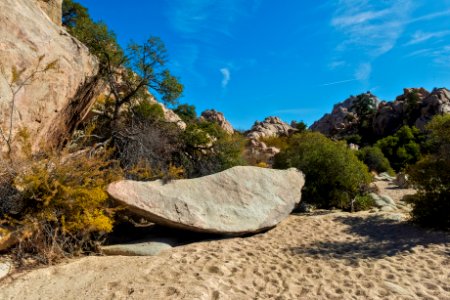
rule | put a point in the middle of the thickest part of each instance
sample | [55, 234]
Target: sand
[324, 255]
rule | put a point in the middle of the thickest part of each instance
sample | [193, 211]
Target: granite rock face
[55, 101]
[214, 116]
[270, 127]
[341, 119]
[237, 201]
[53, 9]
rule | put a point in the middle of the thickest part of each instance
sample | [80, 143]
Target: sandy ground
[325, 255]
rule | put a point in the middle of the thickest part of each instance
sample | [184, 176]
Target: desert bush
[431, 176]
[402, 148]
[363, 202]
[66, 209]
[186, 112]
[334, 175]
[209, 149]
[374, 158]
[275, 141]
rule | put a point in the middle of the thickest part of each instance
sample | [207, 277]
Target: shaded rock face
[237, 201]
[53, 9]
[270, 127]
[391, 116]
[341, 119]
[214, 116]
[53, 103]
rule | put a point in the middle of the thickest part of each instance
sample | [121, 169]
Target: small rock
[150, 248]
[5, 268]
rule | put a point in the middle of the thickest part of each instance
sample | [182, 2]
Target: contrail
[338, 82]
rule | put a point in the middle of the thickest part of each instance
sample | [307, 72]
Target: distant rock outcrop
[416, 106]
[270, 127]
[51, 105]
[237, 201]
[214, 116]
[342, 117]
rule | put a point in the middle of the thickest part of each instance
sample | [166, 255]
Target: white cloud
[226, 76]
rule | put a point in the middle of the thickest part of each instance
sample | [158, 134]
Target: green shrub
[280, 142]
[374, 158]
[334, 175]
[186, 112]
[431, 176]
[363, 202]
[147, 110]
[402, 148]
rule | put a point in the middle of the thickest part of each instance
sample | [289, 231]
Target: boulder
[237, 201]
[214, 116]
[52, 104]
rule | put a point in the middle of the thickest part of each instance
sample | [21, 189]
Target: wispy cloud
[439, 55]
[190, 17]
[363, 71]
[226, 76]
[420, 36]
[430, 16]
[371, 28]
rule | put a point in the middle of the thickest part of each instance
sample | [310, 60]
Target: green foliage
[300, 126]
[374, 158]
[431, 176]
[210, 149]
[186, 112]
[402, 148]
[363, 202]
[147, 110]
[334, 175]
[96, 36]
[280, 142]
[365, 107]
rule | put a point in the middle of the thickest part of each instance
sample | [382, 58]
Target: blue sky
[291, 58]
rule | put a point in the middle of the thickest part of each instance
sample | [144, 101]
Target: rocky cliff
[52, 102]
[53, 9]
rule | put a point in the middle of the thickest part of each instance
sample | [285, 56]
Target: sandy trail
[325, 255]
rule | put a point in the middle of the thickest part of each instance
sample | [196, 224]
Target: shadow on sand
[382, 238]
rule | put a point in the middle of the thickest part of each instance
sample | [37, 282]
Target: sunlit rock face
[51, 104]
[53, 9]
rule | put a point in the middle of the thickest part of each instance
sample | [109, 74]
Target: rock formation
[214, 116]
[341, 119]
[270, 127]
[52, 104]
[236, 201]
[53, 9]
[416, 106]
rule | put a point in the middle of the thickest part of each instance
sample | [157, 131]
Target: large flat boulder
[237, 201]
